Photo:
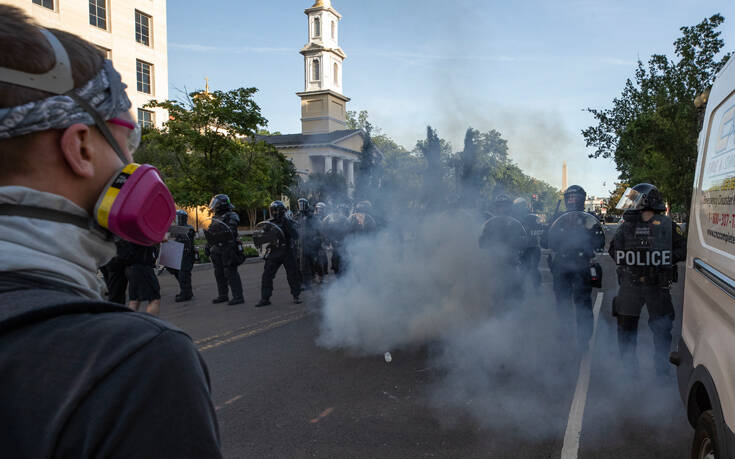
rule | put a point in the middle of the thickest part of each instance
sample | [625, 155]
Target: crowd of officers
[299, 241]
[646, 247]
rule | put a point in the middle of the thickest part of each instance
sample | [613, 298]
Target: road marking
[233, 399]
[570, 449]
[322, 415]
[245, 327]
[252, 332]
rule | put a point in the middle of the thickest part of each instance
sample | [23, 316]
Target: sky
[528, 69]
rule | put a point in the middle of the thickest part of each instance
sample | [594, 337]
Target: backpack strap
[25, 305]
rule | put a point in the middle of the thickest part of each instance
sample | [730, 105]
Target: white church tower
[322, 102]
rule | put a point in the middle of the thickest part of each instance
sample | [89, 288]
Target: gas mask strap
[58, 80]
[42, 213]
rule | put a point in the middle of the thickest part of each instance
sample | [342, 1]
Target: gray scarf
[58, 252]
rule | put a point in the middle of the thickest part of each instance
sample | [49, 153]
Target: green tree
[651, 130]
[207, 147]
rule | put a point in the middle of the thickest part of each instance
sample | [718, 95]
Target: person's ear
[77, 148]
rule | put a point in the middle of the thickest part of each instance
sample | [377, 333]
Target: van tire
[706, 443]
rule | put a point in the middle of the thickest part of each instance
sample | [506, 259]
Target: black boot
[219, 299]
[181, 297]
[296, 300]
[236, 301]
[262, 302]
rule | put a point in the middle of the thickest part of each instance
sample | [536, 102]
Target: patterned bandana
[61, 111]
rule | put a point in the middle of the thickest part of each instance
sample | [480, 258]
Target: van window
[716, 201]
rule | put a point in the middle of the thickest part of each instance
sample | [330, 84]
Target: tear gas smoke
[508, 363]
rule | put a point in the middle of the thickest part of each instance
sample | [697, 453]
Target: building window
[317, 27]
[106, 52]
[98, 13]
[315, 70]
[146, 119]
[334, 30]
[45, 3]
[142, 28]
[143, 72]
[336, 74]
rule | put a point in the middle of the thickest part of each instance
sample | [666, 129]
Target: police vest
[643, 247]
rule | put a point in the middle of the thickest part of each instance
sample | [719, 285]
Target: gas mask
[135, 205]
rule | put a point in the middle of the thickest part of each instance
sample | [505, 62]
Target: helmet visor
[631, 200]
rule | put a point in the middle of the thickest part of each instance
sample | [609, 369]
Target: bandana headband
[101, 98]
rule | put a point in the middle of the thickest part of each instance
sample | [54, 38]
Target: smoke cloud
[505, 359]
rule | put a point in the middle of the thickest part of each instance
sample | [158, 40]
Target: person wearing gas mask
[185, 234]
[68, 190]
[335, 228]
[574, 237]
[646, 248]
[531, 255]
[280, 252]
[361, 220]
[224, 249]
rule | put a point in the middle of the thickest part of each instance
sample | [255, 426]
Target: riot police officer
[305, 245]
[184, 233]
[320, 266]
[335, 228]
[361, 220]
[280, 252]
[531, 255]
[505, 238]
[573, 237]
[646, 248]
[225, 250]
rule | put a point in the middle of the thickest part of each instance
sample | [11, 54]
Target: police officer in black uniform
[305, 245]
[184, 233]
[646, 248]
[224, 249]
[531, 255]
[505, 237]
[570, 268]
[280, 253]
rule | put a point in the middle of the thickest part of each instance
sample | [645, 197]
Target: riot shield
[267, 233]
[503, 232]
[335, 227]
[576, 231]
[218, 232]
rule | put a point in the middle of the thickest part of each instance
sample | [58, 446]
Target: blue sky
[525, 68]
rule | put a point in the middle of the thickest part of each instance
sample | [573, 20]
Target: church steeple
[322, 102]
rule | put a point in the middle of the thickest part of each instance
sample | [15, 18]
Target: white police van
[705, 354]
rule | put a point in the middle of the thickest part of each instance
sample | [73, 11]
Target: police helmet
[220, 203]
[503, 204]
[320, 208]
[303, 204]
[181, 217]
[643, 196]
[521, 206]
[363, 207]
[574, 197]
[277, 209]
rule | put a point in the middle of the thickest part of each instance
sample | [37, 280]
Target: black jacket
[107, 384]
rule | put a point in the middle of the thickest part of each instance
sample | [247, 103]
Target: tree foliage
[207, 148]
[651, 130]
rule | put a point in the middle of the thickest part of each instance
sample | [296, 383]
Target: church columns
[340, 165]
[327, 164]
[350, 172]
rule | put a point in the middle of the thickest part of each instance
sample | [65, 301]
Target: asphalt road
[278, 394]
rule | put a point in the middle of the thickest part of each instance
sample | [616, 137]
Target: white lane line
[570, 449]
